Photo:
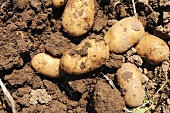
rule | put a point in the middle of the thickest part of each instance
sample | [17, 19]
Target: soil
[29, 27]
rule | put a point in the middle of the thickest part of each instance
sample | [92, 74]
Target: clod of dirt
[163, 31]
[36, 5]
[13, 44]
[27, 15]
[39, 95]
[22, 91]
[36, 82]
[121, 11]
[24, 101]
[39, 21]
[135, 59]
[107, 100]
[50, 87]
[152, 21]
[100, 21]
[55, 107]
[115, 61]
[15, 77]
[82, 85]
[78, 85]
[57, 45]
[33, 109]
[9, 57]
[20, 4]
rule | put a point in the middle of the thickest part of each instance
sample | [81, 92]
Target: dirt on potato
[29, 27]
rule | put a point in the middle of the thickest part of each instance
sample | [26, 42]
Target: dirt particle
[82, 52]
[127, 75]
[135, 26]
[36, 82]
[107, 99]
[82, 65]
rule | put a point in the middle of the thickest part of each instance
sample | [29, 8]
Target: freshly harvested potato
[124, 34]
[58, 3]
[153, 49]
[130, 81]
[46, 65]
[78, 17]
[89, 55]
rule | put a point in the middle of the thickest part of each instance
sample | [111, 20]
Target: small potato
[46, 65]
[78, 17]
[124, 34]
[58, 3]
[89, 55]
[130, 81]
[153, 49]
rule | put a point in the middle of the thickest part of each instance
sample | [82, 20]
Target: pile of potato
[94, 50]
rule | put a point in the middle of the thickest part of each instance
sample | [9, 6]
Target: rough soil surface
[29, 27]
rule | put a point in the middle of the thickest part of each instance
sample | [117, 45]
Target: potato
[46, 65]
[152, 48]
[78, 17]
[89, 55]
[130, 81]
[58, 3]
[124, 34]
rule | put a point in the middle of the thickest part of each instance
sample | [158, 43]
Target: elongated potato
[58, 3]
[78, 17]
[152, 48]
[124, 34]
[46, 65]
[130, 81]
[89, 55]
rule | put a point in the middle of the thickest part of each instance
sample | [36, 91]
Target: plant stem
[9, 96]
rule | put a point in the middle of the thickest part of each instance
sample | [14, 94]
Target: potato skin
[78, 17]
[89, 55]
[58, 3]
[46, 65]
[124, 34]
[153, 49]
[129, 79]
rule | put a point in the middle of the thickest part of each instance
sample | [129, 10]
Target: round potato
[58, 3]
[46, 65]
[89, 55]
[153, 49]
[130, 81]
[78, 17]
[124, 34]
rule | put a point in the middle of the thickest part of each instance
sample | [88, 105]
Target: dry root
[9, 96]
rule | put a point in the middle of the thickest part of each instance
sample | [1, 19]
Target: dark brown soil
[29, 27]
